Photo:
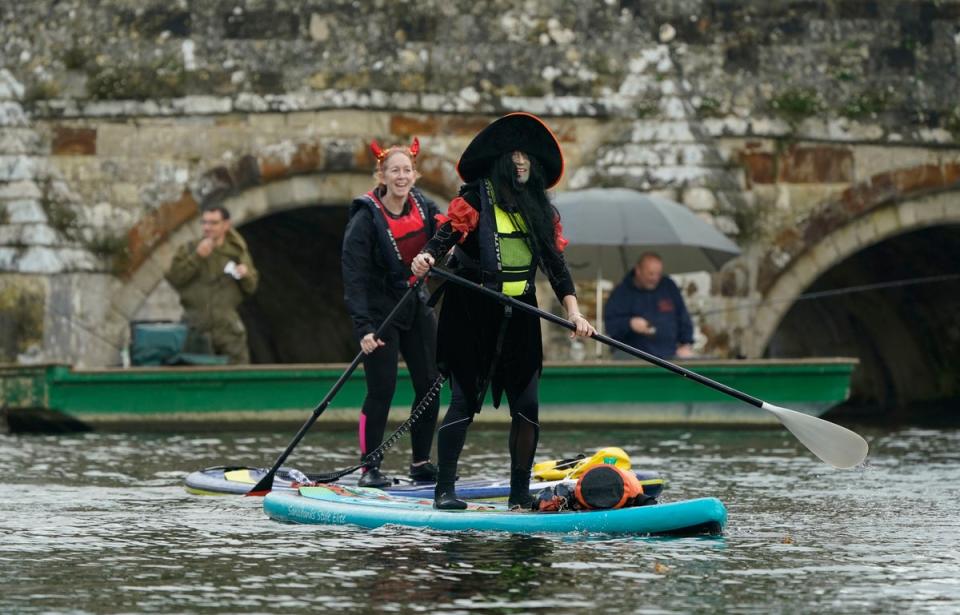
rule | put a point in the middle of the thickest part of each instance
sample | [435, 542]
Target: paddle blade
[263, 487]
[832, 443]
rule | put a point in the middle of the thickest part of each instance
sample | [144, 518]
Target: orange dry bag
[607, 486]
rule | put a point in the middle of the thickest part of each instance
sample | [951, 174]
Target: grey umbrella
[609, 228]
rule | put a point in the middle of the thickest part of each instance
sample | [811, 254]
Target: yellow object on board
[559, 469]
[239, 476]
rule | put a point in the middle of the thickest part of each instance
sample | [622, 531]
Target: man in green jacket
[213, 275]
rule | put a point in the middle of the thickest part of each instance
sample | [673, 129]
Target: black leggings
[417, 345]
[524, 428]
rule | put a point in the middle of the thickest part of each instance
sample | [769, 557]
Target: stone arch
[888, 205]
[253, 188]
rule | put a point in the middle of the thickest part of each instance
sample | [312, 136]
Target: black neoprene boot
[445, 494]
[373, 477]
[423, 473]
[520, 489]
[445, 498]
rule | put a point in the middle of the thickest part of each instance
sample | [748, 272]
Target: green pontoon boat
[602, 392]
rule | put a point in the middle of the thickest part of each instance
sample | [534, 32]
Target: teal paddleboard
[370, 508]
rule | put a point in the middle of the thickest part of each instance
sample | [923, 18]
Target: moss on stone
[111, 248]
[751, 220]
[797, 104]
[709, 107]
[75, 57]
[165, 78]
[865, 104]
[412, 82]
[842, 74]
[21, 317]
[952, 122]
[508, 89]
[4, 214]
[42, 90]
[204, 81]
[359, 80]
[61, 217]
[533, 88]
[647, 106]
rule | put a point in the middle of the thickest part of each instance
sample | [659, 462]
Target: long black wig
[530, 199]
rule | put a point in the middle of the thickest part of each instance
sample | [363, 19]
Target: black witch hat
[519, 131]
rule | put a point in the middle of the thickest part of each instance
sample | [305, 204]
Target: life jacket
[402, 237]
[506, 264]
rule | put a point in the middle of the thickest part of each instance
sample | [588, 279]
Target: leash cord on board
[378, 453]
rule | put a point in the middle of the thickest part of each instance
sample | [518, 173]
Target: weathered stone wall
[765, 117]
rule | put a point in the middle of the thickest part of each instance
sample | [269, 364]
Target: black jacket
[368, 290]
[470, 323]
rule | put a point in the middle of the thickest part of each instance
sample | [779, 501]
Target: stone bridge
[821, 136]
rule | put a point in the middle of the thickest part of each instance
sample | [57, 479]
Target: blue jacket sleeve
[617, 314]
[684, 323]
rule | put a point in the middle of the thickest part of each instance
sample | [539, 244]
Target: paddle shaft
[646, 356]
[266, 483]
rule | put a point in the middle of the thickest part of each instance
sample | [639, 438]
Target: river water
[100, 523]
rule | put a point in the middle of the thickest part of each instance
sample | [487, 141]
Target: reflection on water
[100, 523]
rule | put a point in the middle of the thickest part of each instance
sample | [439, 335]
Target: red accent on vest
[409, 232]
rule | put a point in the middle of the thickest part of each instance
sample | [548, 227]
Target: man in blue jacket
[646, 311]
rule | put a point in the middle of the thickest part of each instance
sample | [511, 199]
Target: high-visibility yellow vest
[513, 252]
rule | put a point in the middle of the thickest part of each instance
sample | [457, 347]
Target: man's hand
[240, 272]
[421, 264]
[205, 247]
[684, 351]
[641, 326]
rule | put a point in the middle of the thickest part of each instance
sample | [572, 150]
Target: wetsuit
[377, 249]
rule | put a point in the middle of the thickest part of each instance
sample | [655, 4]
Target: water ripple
[101, 523]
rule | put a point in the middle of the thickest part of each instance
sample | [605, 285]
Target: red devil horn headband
[381, 154]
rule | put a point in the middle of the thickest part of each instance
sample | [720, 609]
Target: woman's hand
[421, 264]
[369, 343]
[584, 328]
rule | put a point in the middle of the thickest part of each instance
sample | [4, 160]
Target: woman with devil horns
[502, 227]
[388, 226]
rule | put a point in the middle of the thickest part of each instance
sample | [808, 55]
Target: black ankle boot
[520, 489]
[424, 473]
[445, 498]
[373, 477]
[445, 494]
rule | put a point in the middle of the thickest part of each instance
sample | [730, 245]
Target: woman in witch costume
[388, 226]
[503, 227]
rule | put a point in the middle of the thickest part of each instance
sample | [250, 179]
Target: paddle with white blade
[832, 443]
[836, 445]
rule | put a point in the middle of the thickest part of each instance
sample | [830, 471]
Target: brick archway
[887, 205]
[315, 173]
